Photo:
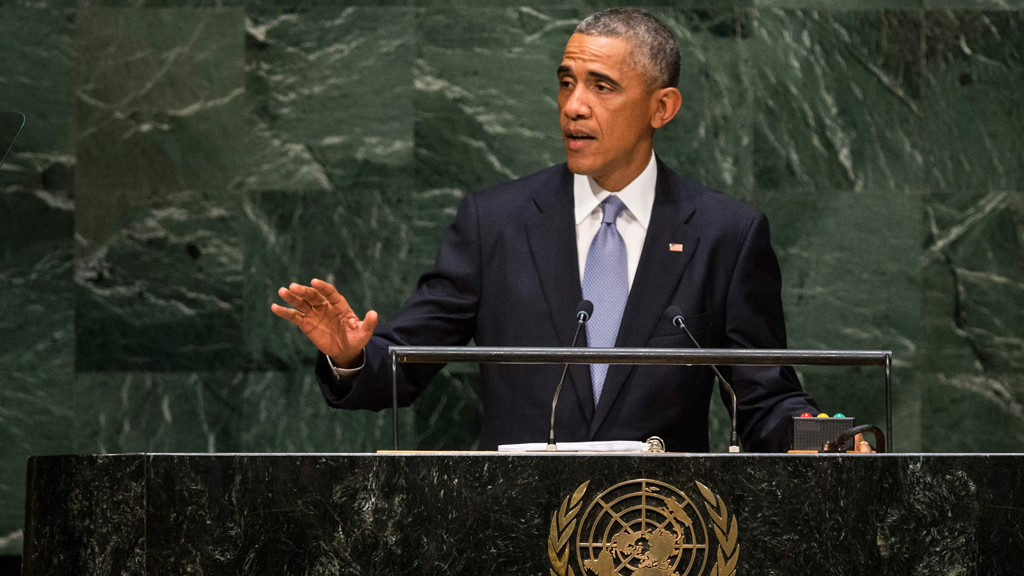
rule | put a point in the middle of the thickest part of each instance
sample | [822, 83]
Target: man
[612, 225]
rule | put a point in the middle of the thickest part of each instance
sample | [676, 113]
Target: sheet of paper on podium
[613, 446]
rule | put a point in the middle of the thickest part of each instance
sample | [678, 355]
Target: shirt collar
[638, 195]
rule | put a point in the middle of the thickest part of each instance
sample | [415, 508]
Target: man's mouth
[577, 140]
[578, 136]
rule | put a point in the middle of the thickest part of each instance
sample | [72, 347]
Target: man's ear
[665, 103]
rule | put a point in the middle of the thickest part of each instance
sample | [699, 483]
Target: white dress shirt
[638, 196]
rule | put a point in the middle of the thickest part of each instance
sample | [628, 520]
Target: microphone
[583, 312]
[676, 315]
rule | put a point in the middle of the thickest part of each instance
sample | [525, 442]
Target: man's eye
[565, 83]
[602, 88]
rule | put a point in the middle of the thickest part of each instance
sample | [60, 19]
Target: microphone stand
[582, 315]
[734, 443]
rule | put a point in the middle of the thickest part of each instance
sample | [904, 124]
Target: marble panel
[158, 109]
[86, 517]
[975, 110]
[964, 412]
[35, 79]
[159, 134]
[850, 281]
[65, 6]
[358, 239]
[36, 341]
[285, 412]
[974, 4]
[382, 237]
[846, 5]
[332, 102]
[709, 139]
[329, 95]
[486, 90]
[160, 4]
[838, 99]
[35, 408]
[36, 249]
[190, 495]
[973, 261]
[448, 415]
[122, 412]
[837, 155]
[254, 7]
[973, 297]
[36, 192]
[36, 271]
[165, 292]
[588, 6]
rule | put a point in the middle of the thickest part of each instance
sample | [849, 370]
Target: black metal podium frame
[687, 356]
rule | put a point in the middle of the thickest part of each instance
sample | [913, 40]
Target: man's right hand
[325, 317]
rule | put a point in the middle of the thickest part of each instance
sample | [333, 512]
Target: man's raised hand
[325, 317]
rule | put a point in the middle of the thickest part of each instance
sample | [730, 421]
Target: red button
[807, 415]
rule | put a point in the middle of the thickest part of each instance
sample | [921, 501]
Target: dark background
[182, 159]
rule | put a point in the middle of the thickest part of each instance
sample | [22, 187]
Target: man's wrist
[347, 369]
[339, 362]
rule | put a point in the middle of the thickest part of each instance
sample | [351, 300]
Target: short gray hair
[652, 45]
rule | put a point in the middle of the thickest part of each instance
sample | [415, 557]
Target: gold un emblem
[643, 528]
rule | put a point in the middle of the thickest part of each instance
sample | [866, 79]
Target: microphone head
[674, 314]
[585, 310]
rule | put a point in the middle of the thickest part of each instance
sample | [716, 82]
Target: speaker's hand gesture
[325, 317]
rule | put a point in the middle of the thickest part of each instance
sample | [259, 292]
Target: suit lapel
[552, 238]
[656, 279]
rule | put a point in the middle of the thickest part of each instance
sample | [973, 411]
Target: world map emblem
[643, 527]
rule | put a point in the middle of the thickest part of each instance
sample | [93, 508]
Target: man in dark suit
[612, 225]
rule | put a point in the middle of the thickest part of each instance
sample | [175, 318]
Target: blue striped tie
[606, 284]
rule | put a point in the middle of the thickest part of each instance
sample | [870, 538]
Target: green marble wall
[183, 158]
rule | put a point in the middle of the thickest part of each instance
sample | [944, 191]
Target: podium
[525, 514]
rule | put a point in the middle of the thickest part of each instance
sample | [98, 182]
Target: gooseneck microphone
[676, 316]
[583, 312]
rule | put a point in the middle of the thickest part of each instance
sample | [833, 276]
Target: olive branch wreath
[728, 548]
[564, 521]
[562, 524]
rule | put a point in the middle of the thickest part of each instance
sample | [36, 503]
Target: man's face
[605, 108]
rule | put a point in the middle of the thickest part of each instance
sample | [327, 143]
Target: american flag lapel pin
[675, 247]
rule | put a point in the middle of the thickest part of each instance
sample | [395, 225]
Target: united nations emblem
[643, 528]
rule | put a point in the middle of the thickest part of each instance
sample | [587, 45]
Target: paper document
[612, 446]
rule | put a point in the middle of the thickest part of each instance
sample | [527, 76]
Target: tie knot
[612, 208]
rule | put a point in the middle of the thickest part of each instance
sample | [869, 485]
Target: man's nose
[578, 104]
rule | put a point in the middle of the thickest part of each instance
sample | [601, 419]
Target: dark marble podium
[491, 514]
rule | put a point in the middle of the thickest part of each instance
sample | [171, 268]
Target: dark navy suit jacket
[507, 274]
